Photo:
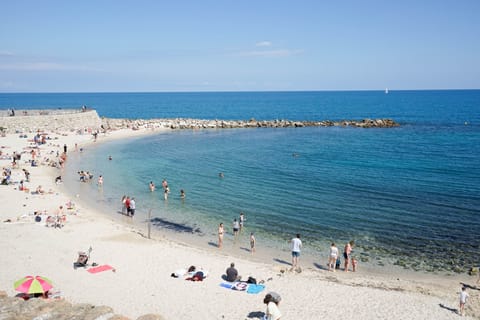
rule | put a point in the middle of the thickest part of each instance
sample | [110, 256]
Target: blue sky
[242, 45]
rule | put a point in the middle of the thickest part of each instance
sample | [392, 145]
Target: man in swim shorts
[296, 248]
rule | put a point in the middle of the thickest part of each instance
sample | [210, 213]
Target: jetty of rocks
[181, 123]
[87, 120]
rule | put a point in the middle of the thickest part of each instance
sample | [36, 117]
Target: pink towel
[105, 267]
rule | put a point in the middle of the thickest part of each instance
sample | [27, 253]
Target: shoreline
[115, 243]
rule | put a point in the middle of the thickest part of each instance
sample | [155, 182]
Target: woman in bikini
[220, 235]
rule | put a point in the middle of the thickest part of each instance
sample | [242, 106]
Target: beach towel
[240, 286]
[255, 288]
[101, 268]
[226, 285]
[243, 286]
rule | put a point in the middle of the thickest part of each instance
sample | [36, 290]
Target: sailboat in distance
[386, 90]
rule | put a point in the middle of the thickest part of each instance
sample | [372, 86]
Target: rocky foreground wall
[14, 308]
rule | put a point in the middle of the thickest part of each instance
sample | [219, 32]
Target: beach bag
[252, 280]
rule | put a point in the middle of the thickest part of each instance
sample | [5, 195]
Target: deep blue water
[411, 191]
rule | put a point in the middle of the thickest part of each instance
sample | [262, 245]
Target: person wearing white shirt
[296, 248]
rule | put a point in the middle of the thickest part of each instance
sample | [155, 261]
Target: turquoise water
[407, 195]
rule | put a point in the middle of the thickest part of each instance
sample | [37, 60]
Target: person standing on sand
[220, 235]
[347, 251]
[296, 244]
[252, 243]
[332, 258]
[463, 299]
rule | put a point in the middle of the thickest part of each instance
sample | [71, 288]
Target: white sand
[142, 284]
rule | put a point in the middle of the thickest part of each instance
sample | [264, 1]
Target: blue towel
[226, 285]
[255, 288]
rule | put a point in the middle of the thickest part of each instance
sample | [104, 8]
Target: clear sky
[238, 45]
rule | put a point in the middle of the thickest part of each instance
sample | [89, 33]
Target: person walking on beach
[220, 235]
[296, 244]
[332, 258]
[347, 251]
[463, 299]
[252, 242]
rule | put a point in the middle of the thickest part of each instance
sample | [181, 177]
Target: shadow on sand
[256, 315]
[454, 310]
[321, 267]
[178, 227]
[213, 244]
[282, 261]
[466, 285]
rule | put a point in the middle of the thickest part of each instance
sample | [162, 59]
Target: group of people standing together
[128, 206]
[334, 257]
[237, 225]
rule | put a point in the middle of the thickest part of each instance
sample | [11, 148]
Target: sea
[407, 196]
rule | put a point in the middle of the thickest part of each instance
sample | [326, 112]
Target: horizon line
[238, 91]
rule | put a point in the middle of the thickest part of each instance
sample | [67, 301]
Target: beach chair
[83, 258]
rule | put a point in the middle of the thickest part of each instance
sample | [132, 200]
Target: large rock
[14, 308]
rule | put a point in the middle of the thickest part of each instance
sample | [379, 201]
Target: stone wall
[52, 120]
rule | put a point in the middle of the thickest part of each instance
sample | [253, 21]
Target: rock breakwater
[183, 123]
[26, 121]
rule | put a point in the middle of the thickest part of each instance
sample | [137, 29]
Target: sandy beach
[141, 283]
